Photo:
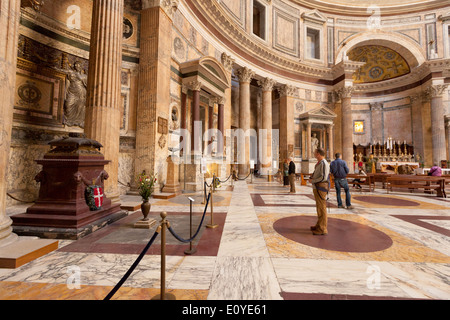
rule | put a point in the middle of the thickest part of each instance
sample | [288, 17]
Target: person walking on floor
[320, 183]
[339, 170]
[292, 175]
[286, 173]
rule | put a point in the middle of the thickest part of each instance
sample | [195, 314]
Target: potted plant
[146, 185]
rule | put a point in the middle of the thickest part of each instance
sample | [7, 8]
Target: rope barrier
[226, 179]
[198, 229]
[24, 201]
[135, 264]
[245, 177]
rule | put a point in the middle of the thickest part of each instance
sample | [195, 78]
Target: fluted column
[103, 89]
[245, 76]
[266, 152]
[435, 92]
[345, 95]
[228, 63]
[220, 124]
[196, 136]
[447, 126]
[287, 138]
[308, 141]
[9, 33]
[330, 131]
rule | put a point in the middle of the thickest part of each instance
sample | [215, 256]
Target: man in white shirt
[320, 183]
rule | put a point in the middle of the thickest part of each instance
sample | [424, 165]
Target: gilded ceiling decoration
[382, 63]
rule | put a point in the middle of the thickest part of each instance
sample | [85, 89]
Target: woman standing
[286, 172]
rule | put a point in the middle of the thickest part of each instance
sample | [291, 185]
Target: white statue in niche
[314, 143]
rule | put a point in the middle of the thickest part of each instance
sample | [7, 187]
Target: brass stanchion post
[211, 225]
[204, 189]
[190, 250]
[163, 295]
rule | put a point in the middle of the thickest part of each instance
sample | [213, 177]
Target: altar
[393, 166]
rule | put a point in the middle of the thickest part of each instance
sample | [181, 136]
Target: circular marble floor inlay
[343, 235]
[387, 201]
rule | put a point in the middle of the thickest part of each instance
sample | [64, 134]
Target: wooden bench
[304, 177]
[412, 182]
[380, 177]
[368, 180]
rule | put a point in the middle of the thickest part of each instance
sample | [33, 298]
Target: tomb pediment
[320, 115]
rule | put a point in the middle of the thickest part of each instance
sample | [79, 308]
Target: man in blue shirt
[339, 169]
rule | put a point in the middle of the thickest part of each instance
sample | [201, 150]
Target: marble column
[9, 33]
[220, 124]
[308, 141]
[228, 63]
[345, 95]
[266, 147]
[183, 113]
[447, 126]
[103, 116]
[245, 76]
[435, 92]
[330, 131]
[196, 142]
[154, 85]
[287, 137]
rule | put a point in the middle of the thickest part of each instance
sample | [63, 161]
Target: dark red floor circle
[387, 201]
[343, 235]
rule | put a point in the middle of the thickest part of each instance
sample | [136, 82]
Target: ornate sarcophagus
[71, 203]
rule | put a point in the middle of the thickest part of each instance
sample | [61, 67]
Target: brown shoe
[318, 233]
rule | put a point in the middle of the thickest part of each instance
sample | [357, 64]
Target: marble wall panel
[397, 123]
[236, 8]
[126, 169]
[285, 29]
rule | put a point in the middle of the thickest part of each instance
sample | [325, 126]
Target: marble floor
[389, 246]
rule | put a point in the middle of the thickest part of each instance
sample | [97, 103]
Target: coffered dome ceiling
[382, 63]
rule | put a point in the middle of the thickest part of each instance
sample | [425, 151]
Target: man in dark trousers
[320, 183]
[292, 175]
[339, 170]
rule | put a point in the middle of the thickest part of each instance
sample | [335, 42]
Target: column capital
[221, 100]
[267, 84]
[245, 75]
[184, 88]
[213, 101]
[169, 6]
[344, 92]
[227, 62]
[416, 97]
[288, 90]
[376, 106]
[436, 91]
[194, 85]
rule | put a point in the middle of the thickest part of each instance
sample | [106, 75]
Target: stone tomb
[61, 210]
